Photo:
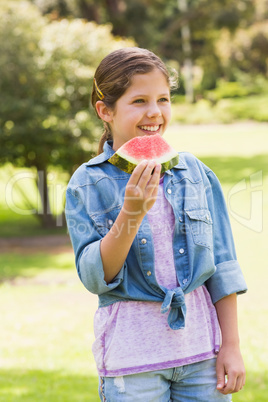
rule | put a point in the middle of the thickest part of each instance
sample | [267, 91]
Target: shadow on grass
[51, 386]
[232, 169]
[13, 224]
[14, 264]
[56, 386]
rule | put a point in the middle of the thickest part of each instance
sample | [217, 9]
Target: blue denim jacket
[203, 247]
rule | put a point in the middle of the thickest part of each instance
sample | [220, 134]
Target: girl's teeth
[150, 128]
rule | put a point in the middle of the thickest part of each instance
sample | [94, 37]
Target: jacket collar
[104, 156]
[108, 152]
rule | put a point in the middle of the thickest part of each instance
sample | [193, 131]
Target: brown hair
[113, 78]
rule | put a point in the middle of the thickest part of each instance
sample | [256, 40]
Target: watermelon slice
[147, 147]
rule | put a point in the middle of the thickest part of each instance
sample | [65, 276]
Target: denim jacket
[203, 247]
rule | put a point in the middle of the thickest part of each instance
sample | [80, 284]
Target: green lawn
[46, 331]
[47, 316]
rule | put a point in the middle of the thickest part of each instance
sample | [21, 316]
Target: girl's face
[144, 109]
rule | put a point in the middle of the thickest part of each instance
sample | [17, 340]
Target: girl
[158, 251]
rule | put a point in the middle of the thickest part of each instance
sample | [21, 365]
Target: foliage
[246, 50]
[157, 25]
[45, 83]
[227, 89]
[245, 85]
[47, 71]
[223, 111]
[252, 108]
[226, 37]
[161, 20]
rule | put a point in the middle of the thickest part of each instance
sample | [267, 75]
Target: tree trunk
[89, 11]
[113, 7]
[115, 10]
[187, 50]
[45, 213]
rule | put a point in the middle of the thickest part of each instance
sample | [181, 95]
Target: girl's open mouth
[150, 129]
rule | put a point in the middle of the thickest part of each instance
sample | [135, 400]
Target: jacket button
[149, 273]
[110, 222]
[181, 250]
[180, 219]
[143, 241]
[169, 191]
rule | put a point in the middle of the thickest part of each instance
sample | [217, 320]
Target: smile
[150, 128]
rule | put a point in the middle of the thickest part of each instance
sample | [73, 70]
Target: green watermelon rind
[122, 163]
[128, 167]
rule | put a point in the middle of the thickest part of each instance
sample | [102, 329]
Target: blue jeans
[193, 382]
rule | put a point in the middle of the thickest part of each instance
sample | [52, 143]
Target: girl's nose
[154, 110]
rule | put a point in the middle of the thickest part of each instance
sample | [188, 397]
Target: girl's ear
[103, 111]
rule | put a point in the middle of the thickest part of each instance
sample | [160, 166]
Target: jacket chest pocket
[104, 220]
[201, 226]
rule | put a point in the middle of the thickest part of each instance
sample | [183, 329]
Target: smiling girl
[158, 251]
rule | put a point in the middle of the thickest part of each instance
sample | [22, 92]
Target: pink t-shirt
[134, 337]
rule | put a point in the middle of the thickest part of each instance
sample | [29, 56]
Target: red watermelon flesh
[145, 147]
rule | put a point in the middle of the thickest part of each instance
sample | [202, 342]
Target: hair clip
[99, 93]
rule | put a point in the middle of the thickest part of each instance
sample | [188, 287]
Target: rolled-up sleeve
[228, 277]
[86, 242]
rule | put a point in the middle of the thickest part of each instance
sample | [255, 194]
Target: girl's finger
[230, 386]
[137, 172]
[153, 182]
[146, 175]
[239, 384]
[156, 174]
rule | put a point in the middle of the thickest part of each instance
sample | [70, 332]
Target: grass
[46, 330]
[245, 139]
[47, 315]
[31, 265]
[13, 224]
[27, 386]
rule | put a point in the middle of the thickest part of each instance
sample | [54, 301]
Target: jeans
[192, 382]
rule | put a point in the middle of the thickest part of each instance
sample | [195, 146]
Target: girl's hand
[141, 190]
[230, 363]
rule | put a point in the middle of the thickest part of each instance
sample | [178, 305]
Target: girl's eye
[138, 101]
[163, 100]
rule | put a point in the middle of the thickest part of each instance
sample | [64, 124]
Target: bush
[224, 111]
[250, 108]
[198, 113]
[228, 90]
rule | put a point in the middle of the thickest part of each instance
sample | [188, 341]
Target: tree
[45, 84]
[160, 25]
[187, 50]
[247, 48]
